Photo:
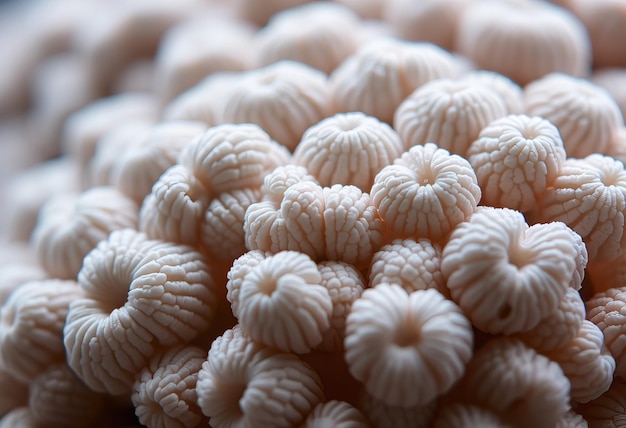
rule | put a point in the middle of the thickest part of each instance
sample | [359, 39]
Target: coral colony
[291, 213]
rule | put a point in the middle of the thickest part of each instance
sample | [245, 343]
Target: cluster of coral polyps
[281, 213]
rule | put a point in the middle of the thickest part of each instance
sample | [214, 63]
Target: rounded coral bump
[232, 156]
[589, 195]
[516, 158]
[238, 271]
[348, 148]
[383, 72]
[521, 386]
[147, 157]
[412, 264]
[407, 349]
[295, 223]
[345, 285]
[282, 304]
[450, 113]
[31, 326]
[71, 225]
[586, 362]
[174, 209]
[243, 383]
[510, 92]
[505, 275]
[140, 293]
[523, 40]
[164, 392]
[607, 310]
[426, 192]
[221, 232]
[284, 98]
[560, 327]
[353, 228]
[59, 398]
[585, 114]
[320, 34]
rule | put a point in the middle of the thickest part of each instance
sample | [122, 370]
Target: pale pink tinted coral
[31, 326]
[426, 192]
[232, 156]
[243, 383]
[164, 392]
[203, 101]
[614, 81]
[506, 275]
[197, 47]
[407, 349]
[334, 413]
[581, 259]
[71, 225]
[16, 273]
[435, 21]
[344, 285]
[295, 222]
[521, 386]
[59, 398]
[284, 98]
[348, 148]
[617, 148]
[25, 193]
[240, 267]
[585, 113]
[174, 209]
[258, 13]
[112, 38]
[586, 362]
[319, 34]
[605, 21]
[84, 127]
[353, 228]
[382, 73]
[511, 93]
[560, 327]
[589, 195]
[109, 148]
[523, 40]
[450, 113]
[221, 232]
[516, 158]
[53, 103]
[337, 223]
[140, 293]
[281, 178]
[283, 304]
[412, 264]
[606, 310]
[141, 164]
